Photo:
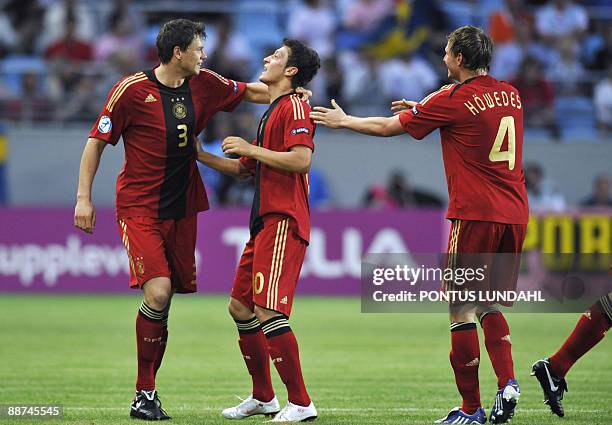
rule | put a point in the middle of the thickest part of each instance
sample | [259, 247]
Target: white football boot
[250, 407]
[294, 413]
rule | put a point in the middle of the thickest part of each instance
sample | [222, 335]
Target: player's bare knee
[239, 311]
[483, 311]
[263, 314]
[157, 293]
[465, 313]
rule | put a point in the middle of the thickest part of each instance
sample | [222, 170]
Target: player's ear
[459, 59]
[290, 71]
[177, 52]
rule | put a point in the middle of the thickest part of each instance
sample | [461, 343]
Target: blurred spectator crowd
[59, 58]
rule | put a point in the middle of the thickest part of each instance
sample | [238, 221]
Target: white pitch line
[331, 409]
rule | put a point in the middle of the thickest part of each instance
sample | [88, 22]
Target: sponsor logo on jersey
[283, 300]
[150, 98]
[414, 110]
[300, 130]
[105, 124]
[179, 110]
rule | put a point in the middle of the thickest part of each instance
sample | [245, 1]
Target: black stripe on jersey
[256, 222]
[468, 81]
[179, 117]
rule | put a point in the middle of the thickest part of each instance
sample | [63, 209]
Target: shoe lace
[283, 411]
[159, 404]
[244, 402]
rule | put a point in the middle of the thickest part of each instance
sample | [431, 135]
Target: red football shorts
[270, 267]
[161, 248]
[494, 247]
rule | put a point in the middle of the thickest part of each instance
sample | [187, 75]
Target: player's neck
[277, 90]
[169, 76]
[466, 75]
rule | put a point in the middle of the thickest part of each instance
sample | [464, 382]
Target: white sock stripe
[606, 305]
[271, 329]
[276, 324]
[280, 320]
[246, 326]
[153, 314]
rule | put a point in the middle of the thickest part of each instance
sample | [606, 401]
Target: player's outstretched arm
[231, 167]
[258, 93]
[297, 160]
[84, 211]
[373, 126]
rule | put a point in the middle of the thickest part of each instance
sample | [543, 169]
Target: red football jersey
[481, 131]
[285, 124]
[159, 177]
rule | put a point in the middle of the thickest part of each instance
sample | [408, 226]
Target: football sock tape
[151, 314]
[275, 326]
[249, 326]
[605, 303]
[462, 326]
[485, 312]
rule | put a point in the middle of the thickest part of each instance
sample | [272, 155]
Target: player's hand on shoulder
[237, 146]
[305, 94]
[398, 106]
[328, 117]
[85, 216]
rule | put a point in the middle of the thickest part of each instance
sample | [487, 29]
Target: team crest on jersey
[140, 268]
[414, 110]
[105, 124]
[300, 130]
[235, 86]
[179, 110]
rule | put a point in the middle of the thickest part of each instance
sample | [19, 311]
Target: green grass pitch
[360, 368]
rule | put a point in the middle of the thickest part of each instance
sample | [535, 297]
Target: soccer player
[263, 289]
[481, 129]
[159, 112]
[590, 329]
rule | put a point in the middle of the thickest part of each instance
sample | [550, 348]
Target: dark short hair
[178, 32]
[474, 45]
[305, 59]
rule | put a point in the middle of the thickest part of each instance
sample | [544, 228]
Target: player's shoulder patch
[122, 87]
[105, 124]
[219, 77]
[444, 89]
[300, 130]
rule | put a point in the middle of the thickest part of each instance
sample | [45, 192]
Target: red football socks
[149, 335]
[285, 355]
[499, 347]
[465, 358]
[162, 349]
[589, 330]
[254, 349]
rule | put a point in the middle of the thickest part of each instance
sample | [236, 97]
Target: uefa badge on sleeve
[105, 125]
